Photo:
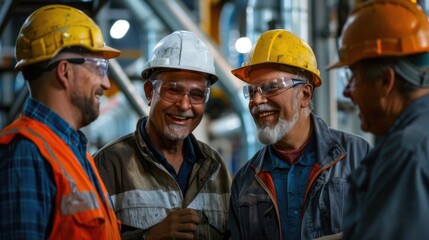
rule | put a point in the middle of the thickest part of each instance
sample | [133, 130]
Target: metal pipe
[118, 75]
[18, 103]
[325, 97]
[149, 22]
[5, 13]
[294, 17]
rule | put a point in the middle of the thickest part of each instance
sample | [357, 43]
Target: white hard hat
[181, 50]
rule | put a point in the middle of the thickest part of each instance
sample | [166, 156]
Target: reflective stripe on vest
[71, 203]
[81, 213]
[78, 202]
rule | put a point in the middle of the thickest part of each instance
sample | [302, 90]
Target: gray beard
[171, 132]
[268, 135]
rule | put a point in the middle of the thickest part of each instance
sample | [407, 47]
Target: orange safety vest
[80, 212]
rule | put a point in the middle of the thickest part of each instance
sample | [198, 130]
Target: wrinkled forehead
[180, 85]
[182, 76]
[262, 75]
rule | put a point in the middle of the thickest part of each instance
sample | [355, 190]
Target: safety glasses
[175, 91]
[272, 87]
[99, 64]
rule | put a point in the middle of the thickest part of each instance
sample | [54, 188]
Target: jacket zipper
[272, 199]
[314, 178]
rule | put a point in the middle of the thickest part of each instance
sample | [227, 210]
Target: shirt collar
[187, 144]
[40, 112]
[273, 161]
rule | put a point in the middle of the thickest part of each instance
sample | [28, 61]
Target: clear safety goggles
[100, 65]
[272, 87]
[175, 91]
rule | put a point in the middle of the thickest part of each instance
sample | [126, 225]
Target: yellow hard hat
[52, 28]
[383, 28]
[280, 47]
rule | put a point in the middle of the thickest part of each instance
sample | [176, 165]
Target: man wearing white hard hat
[163, 182]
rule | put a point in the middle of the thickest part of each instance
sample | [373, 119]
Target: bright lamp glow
[119, 29]
[243, 45]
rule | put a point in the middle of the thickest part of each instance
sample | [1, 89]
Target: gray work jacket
[389, 196]
[143, 192]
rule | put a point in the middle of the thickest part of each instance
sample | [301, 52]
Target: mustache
[183, 114]
[262, 108]
[99, 91]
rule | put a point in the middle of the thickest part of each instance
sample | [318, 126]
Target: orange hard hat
[383, 28]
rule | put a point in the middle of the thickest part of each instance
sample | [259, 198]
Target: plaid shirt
[27, 194]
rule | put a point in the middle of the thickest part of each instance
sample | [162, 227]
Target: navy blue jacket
[253, 212]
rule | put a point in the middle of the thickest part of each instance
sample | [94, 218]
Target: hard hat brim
[148, 72]
[243, 72]
[335, 65]
[106, 51]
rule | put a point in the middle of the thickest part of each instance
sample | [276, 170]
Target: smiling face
[277, 115]
[363, 90]
[84, 77]
[89, 84]
[171, 119]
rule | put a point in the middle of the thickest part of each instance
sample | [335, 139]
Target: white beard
[270, 135]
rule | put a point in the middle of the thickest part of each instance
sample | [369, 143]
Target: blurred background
[229, 27]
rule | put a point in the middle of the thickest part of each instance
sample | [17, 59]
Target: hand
[179, 224]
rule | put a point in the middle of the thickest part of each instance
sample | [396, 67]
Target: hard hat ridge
[52, 28]
[280, 48]
[383, 28]
[181, 50]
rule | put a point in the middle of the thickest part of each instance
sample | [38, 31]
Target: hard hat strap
[413, 74]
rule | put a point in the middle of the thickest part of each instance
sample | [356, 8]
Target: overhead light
[243, 45]
[119, 29]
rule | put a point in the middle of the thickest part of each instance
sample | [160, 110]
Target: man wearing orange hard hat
[295, 186]
[385, 44]
[50, 186]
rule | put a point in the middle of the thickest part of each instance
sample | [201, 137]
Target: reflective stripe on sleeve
[168, 200]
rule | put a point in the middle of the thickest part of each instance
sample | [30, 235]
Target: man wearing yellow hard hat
[296, 185]
[50, 186]
[385, 44]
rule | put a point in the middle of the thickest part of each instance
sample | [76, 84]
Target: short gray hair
[372, 68]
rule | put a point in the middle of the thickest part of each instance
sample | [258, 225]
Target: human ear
[307, 94]
[387, 82]
[63, 73]
[148, 91]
